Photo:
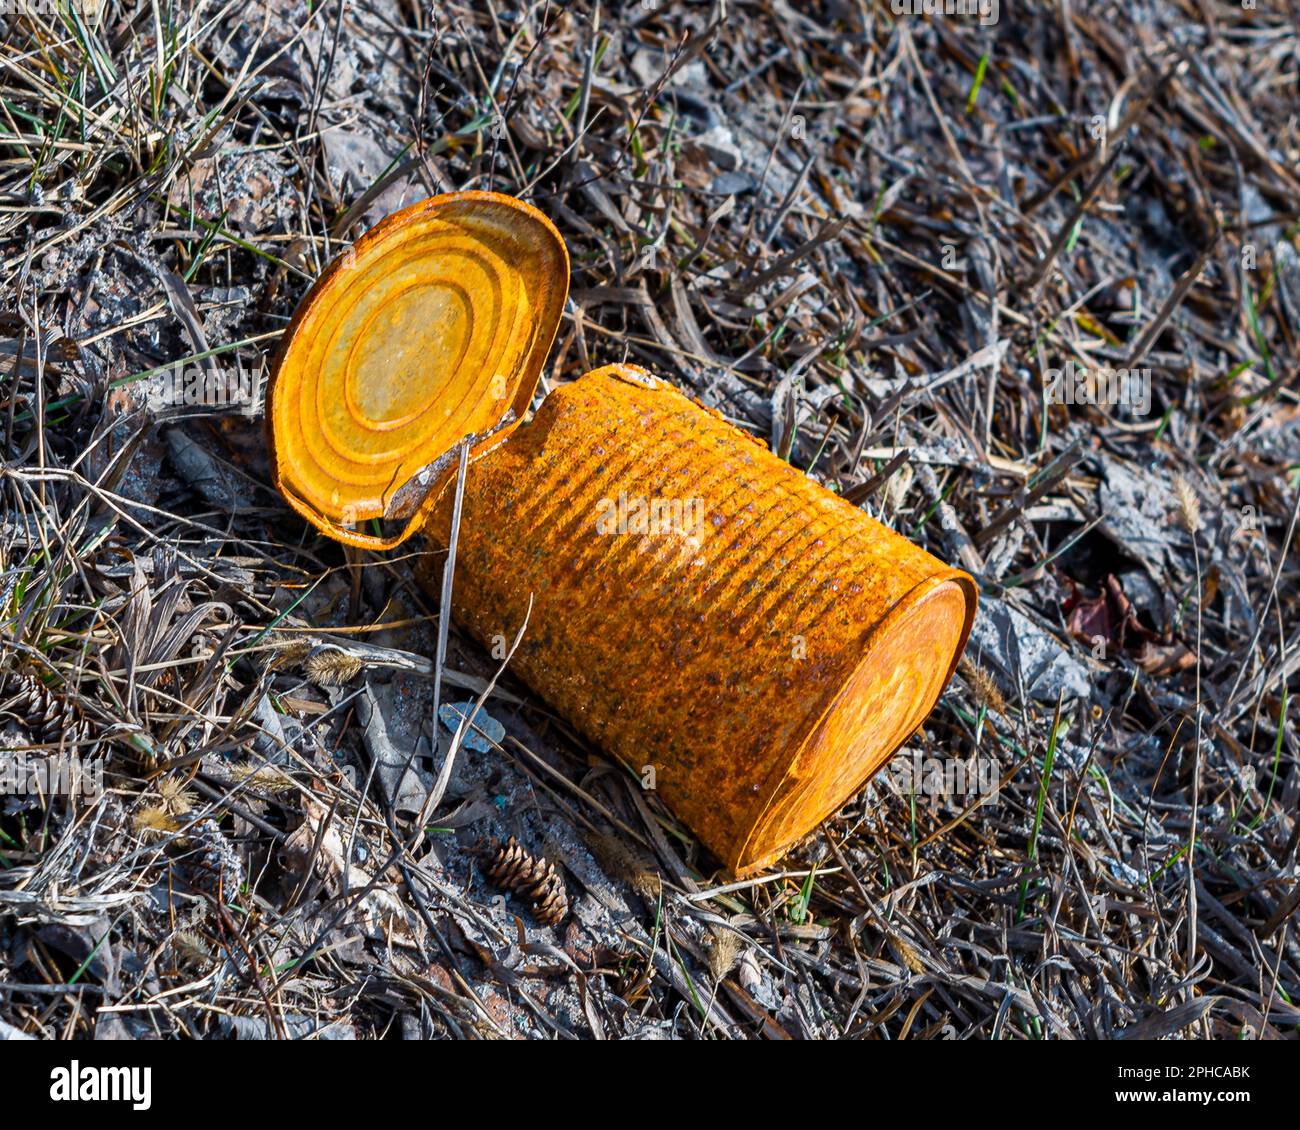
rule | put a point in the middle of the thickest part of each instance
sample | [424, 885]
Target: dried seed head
[267, 778]
[190, 948]
[331, 667]
[291, 649]
[723, 948]
[621, 862]
[900, 482]
[154, 822]
[176, 798]
[985, 689]
[906, 953]
[1189, 505]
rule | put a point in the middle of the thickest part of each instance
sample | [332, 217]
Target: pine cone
[46, 716]
[535, 879]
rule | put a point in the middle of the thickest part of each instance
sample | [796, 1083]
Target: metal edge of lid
[437, 469]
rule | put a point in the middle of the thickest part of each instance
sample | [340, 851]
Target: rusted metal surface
[739, 636]
[702, 609]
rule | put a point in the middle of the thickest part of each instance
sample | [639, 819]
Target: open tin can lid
[428, 334]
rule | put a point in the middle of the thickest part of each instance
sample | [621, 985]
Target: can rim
[737, 858]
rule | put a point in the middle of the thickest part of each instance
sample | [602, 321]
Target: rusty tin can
[736, 634]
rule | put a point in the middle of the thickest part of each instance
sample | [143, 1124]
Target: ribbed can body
[742, 638]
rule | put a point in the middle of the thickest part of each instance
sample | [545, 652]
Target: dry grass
[864, 238]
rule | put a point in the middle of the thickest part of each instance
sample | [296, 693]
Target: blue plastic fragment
[451, 713]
